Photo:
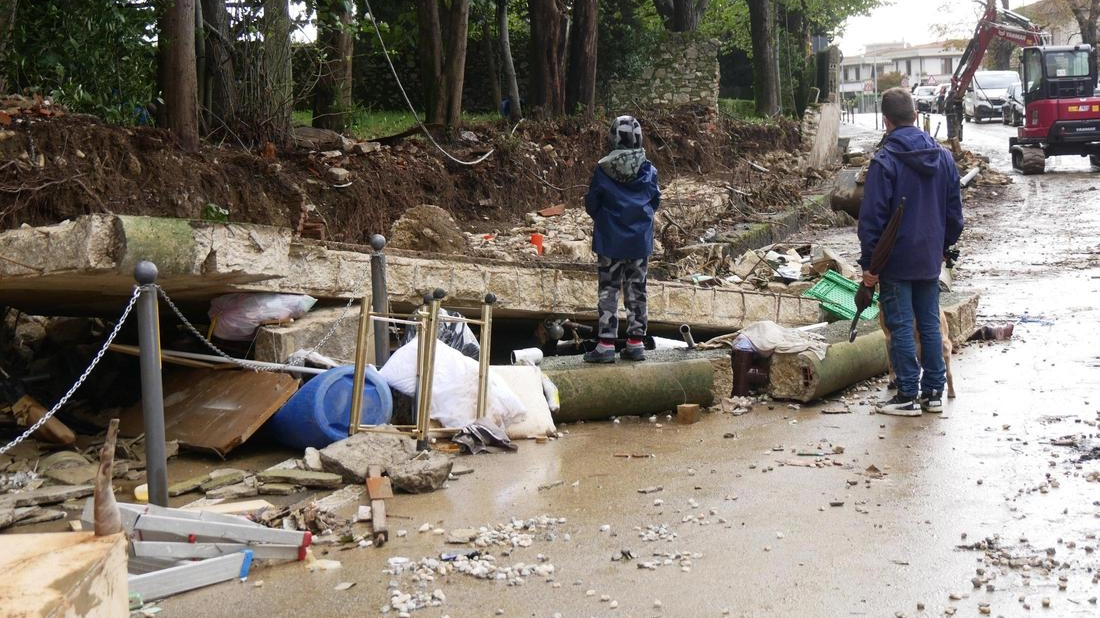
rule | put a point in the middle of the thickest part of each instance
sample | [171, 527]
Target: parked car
[924, 97]
[986, 95]
[1013, 109]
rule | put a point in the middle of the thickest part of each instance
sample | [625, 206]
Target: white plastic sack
[766, 337]
[454, 387]
[239, 315]
[526, 381]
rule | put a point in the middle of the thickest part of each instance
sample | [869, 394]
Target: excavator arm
[996, 23]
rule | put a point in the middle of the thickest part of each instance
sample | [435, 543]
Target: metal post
[356, 415]
[379, 298]
[152, 391]
[431, 339]
[483, 364]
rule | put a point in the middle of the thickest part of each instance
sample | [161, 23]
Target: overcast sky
[914, 22]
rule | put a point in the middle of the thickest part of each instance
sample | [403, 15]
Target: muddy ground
[987, 509]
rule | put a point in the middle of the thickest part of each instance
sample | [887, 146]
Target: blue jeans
[903, 304]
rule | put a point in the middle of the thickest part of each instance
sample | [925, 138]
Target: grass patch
[741, 109]
[370, 124]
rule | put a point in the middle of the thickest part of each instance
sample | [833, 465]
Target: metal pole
[483, 364]
[379, 298]
[152, 391]
[430, 340]
[356, 415]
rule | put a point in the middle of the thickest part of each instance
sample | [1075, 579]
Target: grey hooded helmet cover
[626, 133]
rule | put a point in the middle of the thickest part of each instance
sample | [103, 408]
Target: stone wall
[683, 70]
[820, 131]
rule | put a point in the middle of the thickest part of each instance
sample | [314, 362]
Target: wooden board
[64, 574]
[215, 410]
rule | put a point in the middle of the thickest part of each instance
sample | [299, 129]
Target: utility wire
[404, 94]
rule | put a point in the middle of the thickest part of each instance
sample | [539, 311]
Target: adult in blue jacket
[911, 165]
[622, 199]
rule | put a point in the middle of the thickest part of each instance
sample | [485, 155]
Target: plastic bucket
[319, 413]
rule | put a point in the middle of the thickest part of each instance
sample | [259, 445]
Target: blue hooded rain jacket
[622, 199]
[911, 165]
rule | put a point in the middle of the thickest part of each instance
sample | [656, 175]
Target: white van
[985, 98]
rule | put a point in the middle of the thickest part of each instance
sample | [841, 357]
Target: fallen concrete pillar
[596, 392]
[804, 377]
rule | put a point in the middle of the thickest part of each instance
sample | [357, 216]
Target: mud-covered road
[985, 510]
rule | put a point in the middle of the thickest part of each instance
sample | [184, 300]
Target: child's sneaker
[932, 401]
[633, 353]
[899, 405]
[600, 354]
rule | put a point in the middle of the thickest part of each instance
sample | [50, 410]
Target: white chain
[241, 362]
[84, 376]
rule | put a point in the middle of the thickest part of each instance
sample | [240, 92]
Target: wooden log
[28, 411]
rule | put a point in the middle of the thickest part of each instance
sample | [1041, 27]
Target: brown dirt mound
[60, 167]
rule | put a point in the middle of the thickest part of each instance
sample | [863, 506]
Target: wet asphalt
[787, 511]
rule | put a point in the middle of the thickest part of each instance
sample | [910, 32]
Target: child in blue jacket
[622, 199]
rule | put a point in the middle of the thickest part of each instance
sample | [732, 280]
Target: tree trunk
[431, 59]
[7, 19]
[332, 96]
[765, 73]
[515, 111]
[548, 41]
[180, 85]
[277, 99]
[491, 59]
[454, 68]
[221, 110]
[580, 83]
[681, 15]
[1086, 14]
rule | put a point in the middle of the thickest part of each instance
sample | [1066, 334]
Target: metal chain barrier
[84, 376]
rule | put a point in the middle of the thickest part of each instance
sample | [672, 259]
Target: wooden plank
[215, 410]
[379, 487]
[166, 582]
[216, 531]
[232, 508]
[190, 551]
[63, 574]
[378, 509]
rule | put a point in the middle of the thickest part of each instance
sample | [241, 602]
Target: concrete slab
[85, 266]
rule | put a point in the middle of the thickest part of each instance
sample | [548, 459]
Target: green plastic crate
[838, 295]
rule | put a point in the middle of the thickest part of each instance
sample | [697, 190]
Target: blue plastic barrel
[319, 413]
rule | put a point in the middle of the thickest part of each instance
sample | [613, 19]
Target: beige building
[931, 63]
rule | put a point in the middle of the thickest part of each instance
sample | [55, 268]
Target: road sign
[905, 82]
[868, 86]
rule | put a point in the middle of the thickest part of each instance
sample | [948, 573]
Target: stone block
[350, 457]
[304, 478]
[424, 473]
[275, 344]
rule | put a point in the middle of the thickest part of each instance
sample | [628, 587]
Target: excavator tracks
[1029, 160]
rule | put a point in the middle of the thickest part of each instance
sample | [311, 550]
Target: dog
[947, 350]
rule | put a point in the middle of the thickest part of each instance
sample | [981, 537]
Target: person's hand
[870, 280]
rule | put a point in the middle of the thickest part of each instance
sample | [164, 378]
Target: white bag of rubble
[237, 316]
[766, 337]
[454, 387]
[526, 382]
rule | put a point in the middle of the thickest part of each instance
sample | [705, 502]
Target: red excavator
[1061, 112]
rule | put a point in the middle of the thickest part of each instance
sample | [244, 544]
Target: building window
[945, 66]
[908, 67]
